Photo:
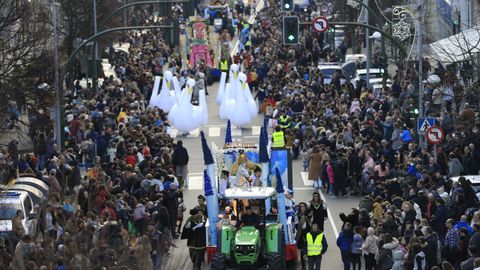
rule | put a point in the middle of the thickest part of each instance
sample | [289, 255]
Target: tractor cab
[246, 246]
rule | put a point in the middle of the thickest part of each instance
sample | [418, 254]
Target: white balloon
[154, 98]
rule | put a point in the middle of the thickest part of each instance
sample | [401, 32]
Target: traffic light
[287, 5]
[291, 30]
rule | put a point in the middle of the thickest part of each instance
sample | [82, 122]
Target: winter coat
[439, 219]
[385, 255]
[315, 169]
[398, 260]
[369, 246]
[180, 156]
[419, 261]
[344, 242]
[431, 251]
[397, 139]
[367, 203]
[378, 211]
[455, 168]
[356, 247]
[319, 214]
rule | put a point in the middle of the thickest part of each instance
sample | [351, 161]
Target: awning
[457, 48]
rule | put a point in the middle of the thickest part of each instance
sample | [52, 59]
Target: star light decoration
[353, 3]
[402, 26]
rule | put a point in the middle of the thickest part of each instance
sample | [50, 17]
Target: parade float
[273, 241]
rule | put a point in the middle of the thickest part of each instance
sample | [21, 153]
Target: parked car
[328, 69]
[10, 202]
[375, 74]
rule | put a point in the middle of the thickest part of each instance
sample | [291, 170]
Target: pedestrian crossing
[214, 131]
[195, 181]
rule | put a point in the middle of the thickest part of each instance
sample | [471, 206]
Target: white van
[10, 202]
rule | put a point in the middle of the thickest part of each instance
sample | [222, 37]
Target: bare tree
[23, 47]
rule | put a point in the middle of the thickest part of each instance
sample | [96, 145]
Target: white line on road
[309, 184]
[256, 130]
[236, 132]
[214, 132]
[334, 227]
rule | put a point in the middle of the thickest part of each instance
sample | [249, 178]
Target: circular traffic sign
[435, 135]
[320, 24]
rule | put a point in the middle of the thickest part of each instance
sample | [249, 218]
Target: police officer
[278, 138]
[284, 121]
[224, 66]
[316, 247]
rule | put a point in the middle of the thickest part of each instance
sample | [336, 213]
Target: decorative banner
[402, 23]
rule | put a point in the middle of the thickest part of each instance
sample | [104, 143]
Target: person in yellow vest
[316, 247]
[224, 66]
[278, 138]
[284, 121]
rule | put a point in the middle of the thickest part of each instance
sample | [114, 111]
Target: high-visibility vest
[278, 139]
[284, 121]
[224, 65]
[314, 248]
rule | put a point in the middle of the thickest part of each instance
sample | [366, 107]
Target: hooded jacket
[385, 255]
[398, 260]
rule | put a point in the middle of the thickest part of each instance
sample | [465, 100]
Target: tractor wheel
[275, 261]
[219, 261]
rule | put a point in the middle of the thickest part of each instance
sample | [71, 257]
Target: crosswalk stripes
[236, 132]
[213, 132]
[195, 181]
[305, 180]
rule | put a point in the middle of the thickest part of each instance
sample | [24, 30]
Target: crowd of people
[125, 211]
[357, 142]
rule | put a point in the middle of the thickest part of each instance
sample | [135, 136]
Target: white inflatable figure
[166, 99]
[221, 88]
[155, 97]
[183, 119]
[177, 90]
[229, 95]
[200, 112]
[252, 105]
[240, 115]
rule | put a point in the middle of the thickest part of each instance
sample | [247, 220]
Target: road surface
[215, 132]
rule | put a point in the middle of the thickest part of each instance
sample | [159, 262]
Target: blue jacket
[463, 224]
[345, 242]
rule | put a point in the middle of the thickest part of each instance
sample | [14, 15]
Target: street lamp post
[367, 40]
[58, 87]
[95, 50]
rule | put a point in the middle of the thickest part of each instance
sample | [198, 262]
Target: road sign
[324, 8]
[435, 135]
[424, 124]
[320, 24]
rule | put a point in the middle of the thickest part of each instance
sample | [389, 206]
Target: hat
[201, 197]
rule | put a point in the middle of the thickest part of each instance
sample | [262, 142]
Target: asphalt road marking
[195, 181]
[309, 184]
[236, 132]
[194, 133]
[256, 130]
[214, 132]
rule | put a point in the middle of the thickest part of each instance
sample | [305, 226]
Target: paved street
[215, 132]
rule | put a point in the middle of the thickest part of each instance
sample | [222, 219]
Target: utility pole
[125, 14]
[58, 86]
[367, 40]
[421, 21]
[95, 48]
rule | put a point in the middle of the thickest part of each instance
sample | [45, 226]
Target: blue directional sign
[423, 124]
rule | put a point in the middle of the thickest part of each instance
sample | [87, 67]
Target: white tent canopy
[457, 48]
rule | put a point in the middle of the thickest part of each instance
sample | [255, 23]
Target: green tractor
[250, 247]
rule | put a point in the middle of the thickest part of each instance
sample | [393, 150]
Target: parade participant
[290, 204]
[316, 246]
[249, 218]
[317, 210]
[256, 177]
[278, 138]
[303, 227]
